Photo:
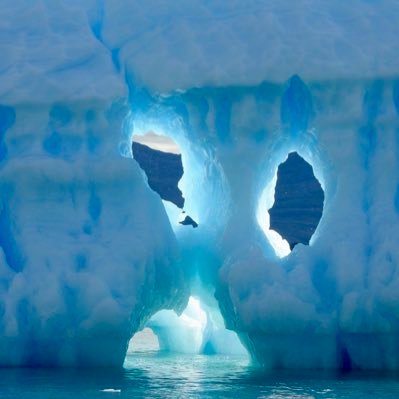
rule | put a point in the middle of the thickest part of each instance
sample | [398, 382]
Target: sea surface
[159, 375]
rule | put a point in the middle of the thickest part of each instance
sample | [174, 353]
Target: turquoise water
[156, 375]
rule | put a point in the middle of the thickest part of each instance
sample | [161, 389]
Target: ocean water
[158, 375]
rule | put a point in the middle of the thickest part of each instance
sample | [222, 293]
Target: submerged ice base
[88, 253]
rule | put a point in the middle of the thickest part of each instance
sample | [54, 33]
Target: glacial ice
[198, 330]
[88, 253]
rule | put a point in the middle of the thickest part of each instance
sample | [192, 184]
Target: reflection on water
[157, 375]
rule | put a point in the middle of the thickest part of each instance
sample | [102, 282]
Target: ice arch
[320, 298]
[79, 214]
[283, 308]
[198, 330]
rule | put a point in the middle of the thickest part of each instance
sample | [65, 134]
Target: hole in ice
[298, 201]
[160, 158]
[144, 341]
[198, 330]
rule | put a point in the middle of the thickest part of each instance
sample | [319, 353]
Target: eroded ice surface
[88, 253]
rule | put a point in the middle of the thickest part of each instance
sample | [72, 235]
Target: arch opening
[199, 330]
[161, 160]
[294, 202]
[144, 341]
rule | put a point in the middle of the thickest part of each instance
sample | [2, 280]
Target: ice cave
[91, 255]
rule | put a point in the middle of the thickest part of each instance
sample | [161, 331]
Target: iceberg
[89, 253]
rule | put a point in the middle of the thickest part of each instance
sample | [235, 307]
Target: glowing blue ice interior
[90, 255]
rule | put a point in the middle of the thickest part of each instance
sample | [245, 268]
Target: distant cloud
[157, 142]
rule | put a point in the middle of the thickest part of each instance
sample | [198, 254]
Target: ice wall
[329, 305]
[88, 253]
[87, 250]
